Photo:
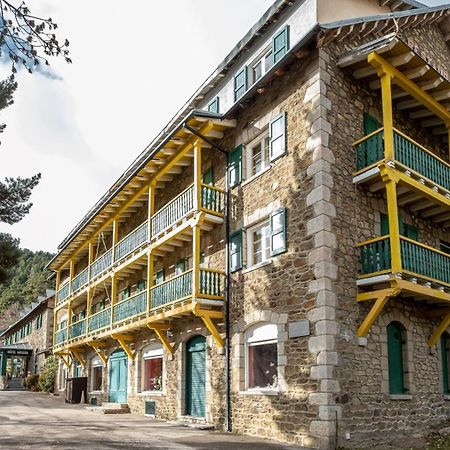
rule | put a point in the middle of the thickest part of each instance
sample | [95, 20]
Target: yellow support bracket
[122, 340]
[439, 330]
[159, 330]
[66, 363]
[206, 316]
[372, 316]
[97, 349]
[78, 356]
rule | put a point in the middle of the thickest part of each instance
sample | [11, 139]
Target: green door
[118, 373]
[395, 358]
[195, 376]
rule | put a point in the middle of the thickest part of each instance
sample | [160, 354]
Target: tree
[9, 255]
[29, 40]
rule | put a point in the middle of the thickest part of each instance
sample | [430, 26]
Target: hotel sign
[16, 352]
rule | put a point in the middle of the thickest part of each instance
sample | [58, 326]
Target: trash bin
[75, 387]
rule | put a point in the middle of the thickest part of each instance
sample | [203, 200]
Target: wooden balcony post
[69, 319]
[150, 262]
[388, 121]
[151, 208]
[394, 230]
[91, 252]
[198, 175]
[113, 296]
[58, 280]
[88, 309]
[115, 238]
[196, 261]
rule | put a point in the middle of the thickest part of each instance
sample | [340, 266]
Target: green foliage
[27, 279]
[9, 255]
[47, 377]
[31, 382]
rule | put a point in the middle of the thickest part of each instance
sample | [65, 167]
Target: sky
[83, 124]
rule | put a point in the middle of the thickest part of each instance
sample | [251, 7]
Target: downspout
[227, 278]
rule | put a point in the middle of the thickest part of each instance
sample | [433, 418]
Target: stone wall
[370, 416]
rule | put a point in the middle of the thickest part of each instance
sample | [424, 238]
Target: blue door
[118, 374]
[195, 376]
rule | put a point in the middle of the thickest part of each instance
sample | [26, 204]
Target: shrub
[31, 382]
[47, 376]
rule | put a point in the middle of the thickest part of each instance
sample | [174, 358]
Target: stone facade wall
[369, 415]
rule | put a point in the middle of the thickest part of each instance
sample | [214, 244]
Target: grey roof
[41, 300]
[20, 346]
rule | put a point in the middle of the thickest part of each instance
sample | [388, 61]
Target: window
[236, 251]
[240, 83]
[261, 357]
[277, 136]
[262, 66]
[444, 247]
[38, 324]
[141, 286]
[152, 368]
[258, 155]
[77, 370]
[208, 176]
[258, 244]
[235, 166]
[371, 124]
[280, 44]
[126, 293]
[159, 277]
[96, 374]
[213, 106]
[180, 267]
[406, 230]
[396, 339]
[278, 232]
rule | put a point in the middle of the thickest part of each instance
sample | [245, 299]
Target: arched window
[396, 339]
[261, 355]
[96, 374]
[445, 353]
[152, 368]
[77, 369]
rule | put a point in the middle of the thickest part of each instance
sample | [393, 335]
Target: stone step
[115, 408]
[199, 423]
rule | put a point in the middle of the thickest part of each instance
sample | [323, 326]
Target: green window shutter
[208, 177]
[83, 314]
[384, 221]
[180, 267]
[101, 305]
[126, 293]
[240, 83]
[235, 166]
[213, 106]
[202, 257]
[278, 232]
[411, 232]
[395, 358]
[445, 358]
[370, 124]
[236, 251]
[277, 136]
[141, 285]
[280, 44]
[159, 276]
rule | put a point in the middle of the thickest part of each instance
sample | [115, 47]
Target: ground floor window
[96, 374]
[152, 368]
[261, 357]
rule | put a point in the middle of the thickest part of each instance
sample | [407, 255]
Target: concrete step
[199, 423]
[115, 408]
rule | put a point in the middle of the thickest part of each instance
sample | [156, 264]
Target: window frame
[240, 250]
[96, 363]
[215, 103]
[262, 59]
[272, 337]
[260, 141]
[280, 117]
[151, 352]
[240, 89]
[250, 244]
[283, 50]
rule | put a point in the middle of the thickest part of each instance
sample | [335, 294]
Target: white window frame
[96, 362]
[260, 334]
[152, 351]
[265, 155]
[249, 237]
[261, 59]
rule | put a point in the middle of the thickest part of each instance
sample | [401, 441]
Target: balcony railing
[63, 293]
[417, 259]
[101, 264]
[77, 329]
[211, 283]
[80, 280]
[174, 211]
[131, 307]
[61, 336]
[425, 261]
[213, 199]
[174, 289]
[375, 256]
[131, 242]
[407, 152]
[100, 320]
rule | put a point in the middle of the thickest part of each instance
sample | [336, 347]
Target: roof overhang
[361, 63]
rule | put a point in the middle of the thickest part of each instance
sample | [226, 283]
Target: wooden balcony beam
[372, 315]
[97, 347]
[160, 330]
[439, 330]
[78, 356]
[122, 339]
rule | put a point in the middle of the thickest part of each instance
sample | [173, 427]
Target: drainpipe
[227, 278]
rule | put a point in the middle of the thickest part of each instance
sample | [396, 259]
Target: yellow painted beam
[122, 341]
[372, 316]
[99, 352]
[212, 313]
[58, 280]
[424, 291]
[78, 356]
[159, 330]
[388, 121]
[91, 252]
[383, 66]
[390, 292]
[213, 330]
[113, 295]
[439, 330]
[66, 362]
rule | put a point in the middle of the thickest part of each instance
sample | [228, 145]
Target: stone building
[26, 344]
[276, 262]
